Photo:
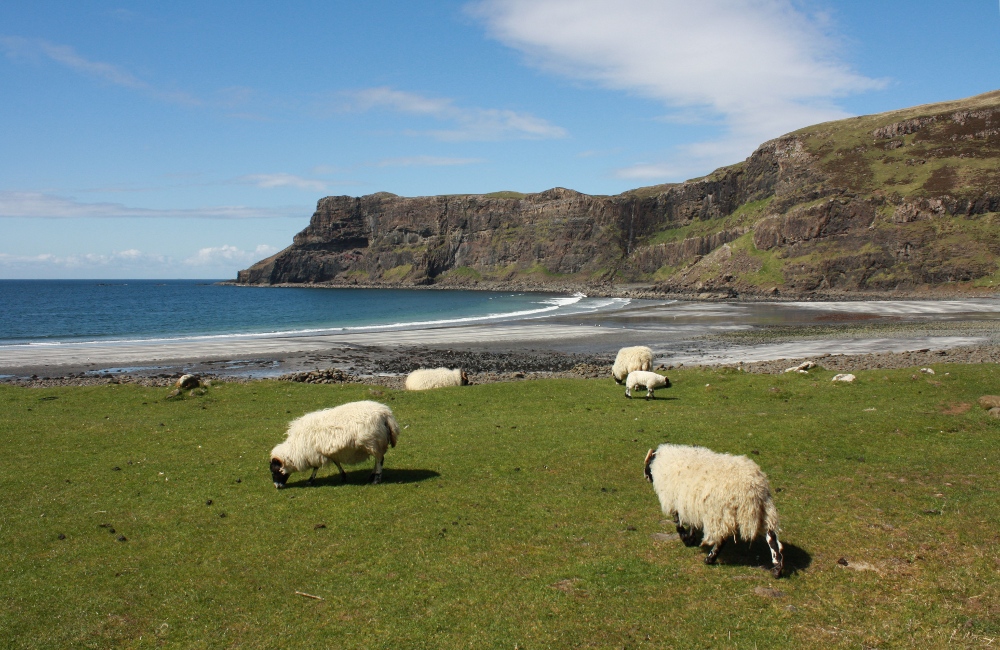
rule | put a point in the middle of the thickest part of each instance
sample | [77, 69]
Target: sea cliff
[903, 202]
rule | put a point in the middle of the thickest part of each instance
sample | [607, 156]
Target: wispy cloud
[131, 258]
[468, 123]
[38, 205]
[270, 181]
[228, 255]
[762, 67]
[427, 161]
[17, 47]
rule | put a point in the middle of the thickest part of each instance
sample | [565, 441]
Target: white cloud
[228, 255]
[131, 258]
[427, 161]
[762, 67]
[269, 181]
[469, 123]
[37, 205]
[33, 48]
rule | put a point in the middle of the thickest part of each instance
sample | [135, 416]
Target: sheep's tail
[390, 421]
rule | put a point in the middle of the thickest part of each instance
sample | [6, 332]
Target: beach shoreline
[760, 337]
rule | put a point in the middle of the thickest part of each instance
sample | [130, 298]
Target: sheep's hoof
[776, 571]
[376, 479]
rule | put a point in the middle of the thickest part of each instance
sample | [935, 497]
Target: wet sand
[689, 333]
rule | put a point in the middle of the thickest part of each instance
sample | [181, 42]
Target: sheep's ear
[650, 455]
[276, 465]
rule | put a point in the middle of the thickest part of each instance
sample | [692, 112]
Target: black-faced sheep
[348, 434]
[635, 358]
[426, 378]
[644, 379]
[722, 495]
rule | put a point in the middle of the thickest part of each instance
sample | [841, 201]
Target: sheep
[635, 358]
[426, 378]
[348, 433]
[720, 494]
[645, 379]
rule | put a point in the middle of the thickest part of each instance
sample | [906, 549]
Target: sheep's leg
[377, 474]
[649, 393]
[343, 474]
[628, 393]
[777, 559]
[312, 476]
[714, 553]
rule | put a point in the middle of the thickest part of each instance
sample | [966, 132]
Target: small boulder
[994, 412]
[927, 371]
[989, 401]
[848, 377]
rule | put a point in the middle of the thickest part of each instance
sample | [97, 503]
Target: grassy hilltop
[513, 515]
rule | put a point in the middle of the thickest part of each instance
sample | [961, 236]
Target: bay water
[50, 312]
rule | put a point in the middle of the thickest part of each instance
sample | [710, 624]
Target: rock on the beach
[802, 367]
[848, 377]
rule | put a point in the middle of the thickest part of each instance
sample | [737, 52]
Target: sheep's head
[465, 379]
[666, 382]
[278, 473]
[650, 455]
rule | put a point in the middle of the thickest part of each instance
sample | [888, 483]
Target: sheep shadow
[363, 477]
[757, 554]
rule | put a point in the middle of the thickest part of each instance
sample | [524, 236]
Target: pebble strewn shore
[388, 368]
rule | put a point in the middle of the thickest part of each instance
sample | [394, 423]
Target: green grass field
[512, 516]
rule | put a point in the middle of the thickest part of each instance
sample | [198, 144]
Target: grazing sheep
[348, 433]
[635, 358]
[720, 494]
[644, 379]
[803, 367]
[848, 377]
[426, 378]
[188, 381]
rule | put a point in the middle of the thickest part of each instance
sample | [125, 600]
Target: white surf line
[136, 352]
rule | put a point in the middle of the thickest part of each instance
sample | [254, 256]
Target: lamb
[426, 378]
[635, 358]
[348, 433]
[645, 379]
[720, 494]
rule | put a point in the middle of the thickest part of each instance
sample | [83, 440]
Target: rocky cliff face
[902, 200]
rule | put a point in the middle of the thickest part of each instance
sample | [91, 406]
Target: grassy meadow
[512, 515]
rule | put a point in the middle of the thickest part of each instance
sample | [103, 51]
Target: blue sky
[190, 139]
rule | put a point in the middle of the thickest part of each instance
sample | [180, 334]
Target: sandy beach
[689, 333]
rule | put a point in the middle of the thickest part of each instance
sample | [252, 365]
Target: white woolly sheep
[720, 494]
[644, 379]
[635, 358]
[426, 378]
[348, 434]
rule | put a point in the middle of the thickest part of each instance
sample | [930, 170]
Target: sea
[52, 312]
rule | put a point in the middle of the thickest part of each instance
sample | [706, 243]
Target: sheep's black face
[278, 474]
[465, 379]
[667, 384]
